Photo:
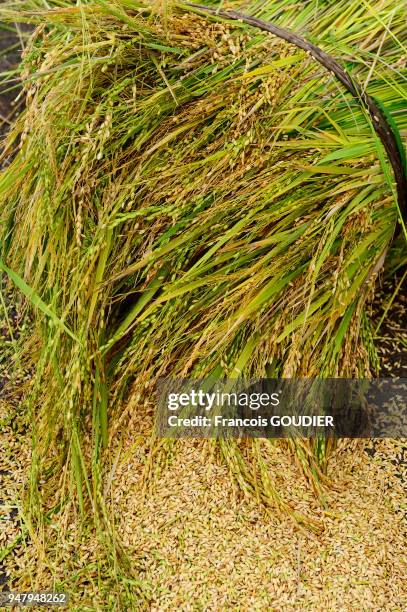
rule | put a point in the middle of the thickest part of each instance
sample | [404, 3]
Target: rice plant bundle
[192, 196]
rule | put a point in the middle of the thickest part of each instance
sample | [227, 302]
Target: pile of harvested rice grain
[198, 544]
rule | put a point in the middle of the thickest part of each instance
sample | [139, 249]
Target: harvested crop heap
[190, 197]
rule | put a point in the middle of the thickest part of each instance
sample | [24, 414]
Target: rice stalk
[190, 198]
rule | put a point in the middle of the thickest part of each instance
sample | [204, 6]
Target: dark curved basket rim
[380, 123]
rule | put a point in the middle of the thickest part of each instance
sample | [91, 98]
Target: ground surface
[11, 39]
